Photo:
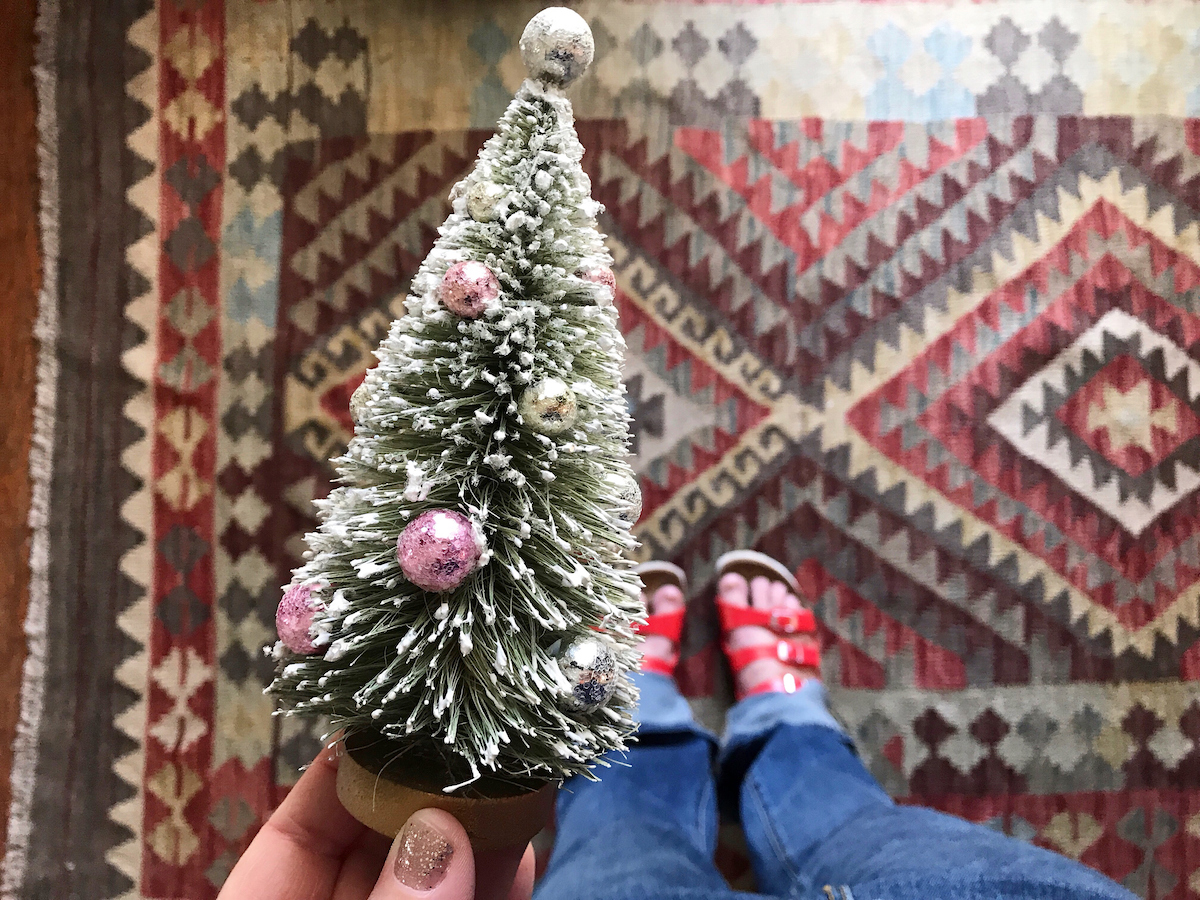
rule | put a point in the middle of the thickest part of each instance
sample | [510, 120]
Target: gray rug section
[77, 743]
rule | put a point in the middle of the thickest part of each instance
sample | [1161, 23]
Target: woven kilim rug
[912, 294]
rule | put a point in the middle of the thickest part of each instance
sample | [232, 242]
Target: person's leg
[648, 828]
[815, 817]
[642, 831]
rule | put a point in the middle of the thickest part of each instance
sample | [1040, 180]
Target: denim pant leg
[648, 828]
[814, 816]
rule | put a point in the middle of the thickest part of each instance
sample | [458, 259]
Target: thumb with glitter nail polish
[431, 859]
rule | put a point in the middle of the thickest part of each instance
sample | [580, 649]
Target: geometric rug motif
[965, 417]
[912, 303]
[1113, 417]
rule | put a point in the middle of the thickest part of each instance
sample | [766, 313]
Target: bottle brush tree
[467, 600]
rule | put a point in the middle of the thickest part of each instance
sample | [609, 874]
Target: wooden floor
[20, 273]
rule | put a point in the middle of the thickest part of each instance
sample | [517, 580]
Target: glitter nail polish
[422, 857]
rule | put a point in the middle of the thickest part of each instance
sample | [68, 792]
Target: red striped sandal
[784, 622]
[669, 625]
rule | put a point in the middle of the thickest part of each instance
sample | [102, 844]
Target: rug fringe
[41, 458]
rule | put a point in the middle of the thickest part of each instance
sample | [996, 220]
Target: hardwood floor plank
[20, 276]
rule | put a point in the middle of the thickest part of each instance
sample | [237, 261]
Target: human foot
[665, 606]
[768, 634]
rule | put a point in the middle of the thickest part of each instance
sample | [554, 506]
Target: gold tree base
[384, 797]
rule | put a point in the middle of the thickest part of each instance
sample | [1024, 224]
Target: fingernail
[334, 752]
[422, 857]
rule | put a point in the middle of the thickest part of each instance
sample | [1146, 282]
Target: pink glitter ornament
[468, 288]
[438, 549]
[603, 276]
[294, 618]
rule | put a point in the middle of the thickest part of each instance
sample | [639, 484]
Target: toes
[779, 592]
[760, 592]
[657, 646]
[734, 589]
[763, 593]
[666, 598]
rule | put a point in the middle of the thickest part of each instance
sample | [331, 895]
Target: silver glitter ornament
[591, 669]
[358, 403]
[549, 407]
[557, 46]
[482, 200]
[629, 494]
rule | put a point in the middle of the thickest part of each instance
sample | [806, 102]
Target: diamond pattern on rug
[1132, 419]
[1099, 420]
[996, 380]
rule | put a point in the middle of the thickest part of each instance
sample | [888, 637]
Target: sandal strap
[784, 684]
[670, 626]
[666, 624]
[779, 620]
[661, 666]
[788, 652]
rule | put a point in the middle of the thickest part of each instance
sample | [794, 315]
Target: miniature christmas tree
[467, 597]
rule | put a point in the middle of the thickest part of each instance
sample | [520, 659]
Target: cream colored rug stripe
[137, 564]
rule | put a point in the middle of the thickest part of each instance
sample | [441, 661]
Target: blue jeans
[817, 824]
